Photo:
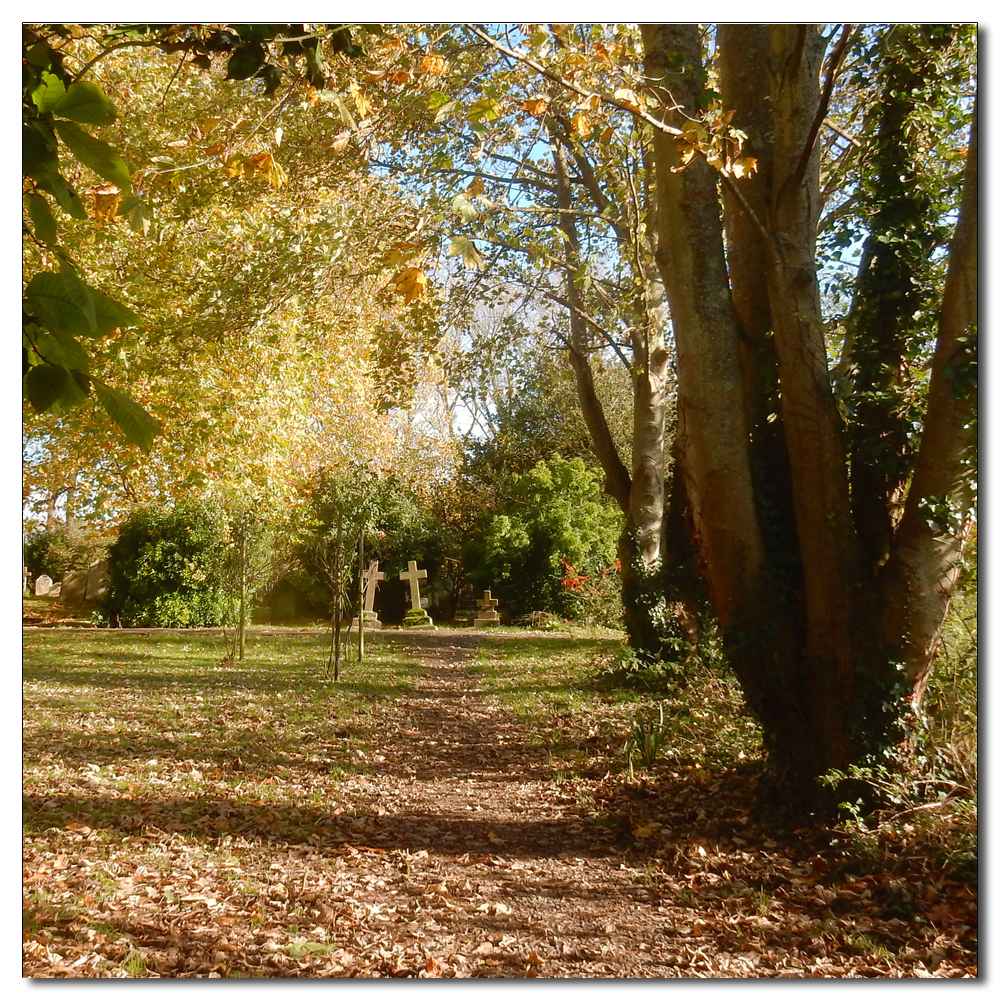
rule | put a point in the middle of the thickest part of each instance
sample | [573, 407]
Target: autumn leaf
[580, 125]
[107, 198]
[535, 106]
[629, 99]
[411, 284]
[746, 166]
[433, 65]
[361, 102]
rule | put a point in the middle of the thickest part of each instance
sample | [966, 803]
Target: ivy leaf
[95, 153]
[85, 102]
[138, 426]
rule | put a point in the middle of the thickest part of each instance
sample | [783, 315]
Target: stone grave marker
[97, 581]
[416, 617]
[74, 586]
[372, 578]
[487, 610]
[56, 589]
[43, 585]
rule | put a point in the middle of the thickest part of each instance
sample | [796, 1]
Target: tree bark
[919, 578]
[711, 404]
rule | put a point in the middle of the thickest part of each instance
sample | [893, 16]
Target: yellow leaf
[235, 166]
[629, 98]
[580, 125]
[745, 167]
[592, 103]
[107, 198]
[433, 65]
[339, 143]
[607, 134]
[361, 102]
[411, 283]
[694, 132]
[534, 106]
[401, 76]
[476, 187]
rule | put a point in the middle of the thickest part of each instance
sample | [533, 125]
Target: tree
[273, 340]
[832, 638]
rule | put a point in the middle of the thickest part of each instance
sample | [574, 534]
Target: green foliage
[59, 306]
[62, 549]
[647, 739]
[166, 568]
[555, 512]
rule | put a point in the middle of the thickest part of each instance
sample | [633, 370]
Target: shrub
[166, 568]
[555, 517]
[61, 549]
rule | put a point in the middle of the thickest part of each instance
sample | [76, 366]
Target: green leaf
[42, 218]
[40, 55]
[61, 349]
[80, 293]
[66, 197]
[85, 102]
[134, 209]
[44, 384]
[138, 426]
[467, 249]
[48, 93]
[76, 391]
[450, 110]
[461, 205]
[112, 315]
[95, 153]
[55, 303]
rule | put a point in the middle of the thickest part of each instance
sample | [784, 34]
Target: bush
[556, 517]
[58, 550]
[166, 568]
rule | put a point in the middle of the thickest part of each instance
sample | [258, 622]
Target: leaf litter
[458, 848]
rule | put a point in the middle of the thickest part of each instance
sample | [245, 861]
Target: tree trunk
[919, 578]
[711, 405]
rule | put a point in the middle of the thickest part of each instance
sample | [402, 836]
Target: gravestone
[55, 590]
[43, 585]
[97, 581]
[416, 617]
[487, 610]
[74, 586]
[372, 578]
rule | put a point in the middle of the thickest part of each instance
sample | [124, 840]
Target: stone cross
[487, 610]
[43, 585]
[372, 578]
[412, 575]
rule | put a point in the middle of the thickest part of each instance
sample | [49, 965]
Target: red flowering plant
[597, 599]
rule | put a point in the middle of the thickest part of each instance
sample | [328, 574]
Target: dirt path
[504, 876]
[460, 851]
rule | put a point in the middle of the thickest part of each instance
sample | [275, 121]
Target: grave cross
[372, 578]
[487, 602]
[412, 575]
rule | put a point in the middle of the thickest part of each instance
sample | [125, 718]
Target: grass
[114, 718]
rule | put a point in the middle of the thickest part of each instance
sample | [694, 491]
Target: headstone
[55, 590]
[372, 578]
[97, 581]
[43, 585]
[416, 617]
[74, 586]
[487, 610]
